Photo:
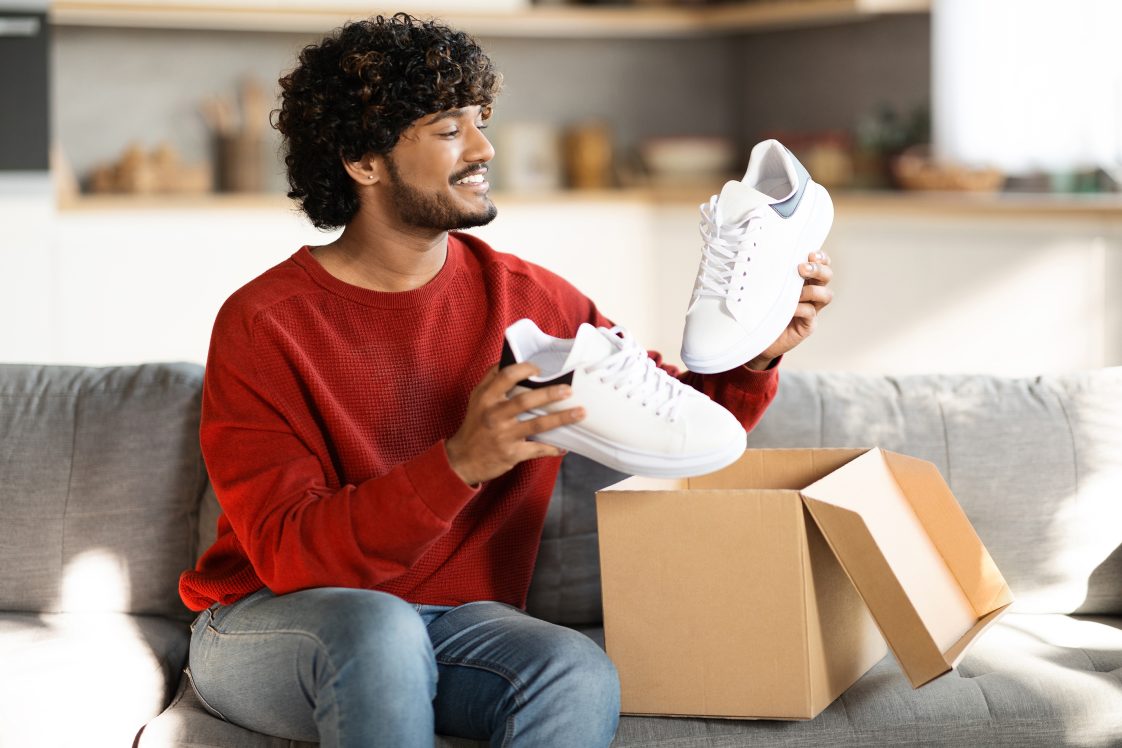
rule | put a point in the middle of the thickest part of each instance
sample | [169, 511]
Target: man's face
[437, 172]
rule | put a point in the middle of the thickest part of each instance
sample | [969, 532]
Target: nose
[479, 149]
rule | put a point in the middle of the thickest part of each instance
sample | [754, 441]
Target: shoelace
[722, 247]
[633, 369]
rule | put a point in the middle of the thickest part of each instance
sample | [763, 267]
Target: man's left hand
[815, 296]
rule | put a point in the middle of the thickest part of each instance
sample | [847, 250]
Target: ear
[366, 171]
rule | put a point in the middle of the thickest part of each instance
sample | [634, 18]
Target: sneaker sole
[779, 315]
[634, 462]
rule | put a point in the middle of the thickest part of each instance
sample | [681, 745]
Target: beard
[437, 212]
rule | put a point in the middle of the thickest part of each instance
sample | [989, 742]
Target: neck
[372, 254]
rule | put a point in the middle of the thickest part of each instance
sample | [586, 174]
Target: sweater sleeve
[745, 392]
[271, 484]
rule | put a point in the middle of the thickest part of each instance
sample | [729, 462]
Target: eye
[449, 134]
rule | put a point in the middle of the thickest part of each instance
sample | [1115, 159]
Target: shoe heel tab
[802, 175]
[508, 358]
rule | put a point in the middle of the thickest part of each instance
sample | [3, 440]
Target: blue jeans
[349, 667]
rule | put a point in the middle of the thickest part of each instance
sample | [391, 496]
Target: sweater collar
[385, 299]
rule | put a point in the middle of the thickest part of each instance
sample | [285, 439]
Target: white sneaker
[638, 419]
[756, 232]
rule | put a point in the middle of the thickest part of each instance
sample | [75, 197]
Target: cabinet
[923, 285]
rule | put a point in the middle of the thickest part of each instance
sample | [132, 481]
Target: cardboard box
[758, 591]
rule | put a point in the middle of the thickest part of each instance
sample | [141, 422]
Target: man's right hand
[491, 439]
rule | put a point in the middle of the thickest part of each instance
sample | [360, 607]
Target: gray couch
[104, 499]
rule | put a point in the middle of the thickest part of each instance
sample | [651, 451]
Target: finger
[488, 376]
[820, 296]
[532, 450]
[532, 399]
[508, 376]
[819, 256]
[550, 421]
[816, 272]
[805, 311]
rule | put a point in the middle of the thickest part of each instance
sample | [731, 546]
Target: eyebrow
[455, 114]
[446, 114]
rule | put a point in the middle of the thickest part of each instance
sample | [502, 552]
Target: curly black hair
[358, 89]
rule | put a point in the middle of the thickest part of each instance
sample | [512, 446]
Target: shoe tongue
[590, 345]
[737, 199]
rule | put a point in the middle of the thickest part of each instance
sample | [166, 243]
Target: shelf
[534, 21]
[885, 204]
[1020, 205]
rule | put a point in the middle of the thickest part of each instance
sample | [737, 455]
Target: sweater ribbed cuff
[437, 484]
[752, 380]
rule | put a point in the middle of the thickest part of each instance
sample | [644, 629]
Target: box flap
[841, 649]
[951, 532]
[912, 556]
[955, 653]
[856, 547]
[789, 469]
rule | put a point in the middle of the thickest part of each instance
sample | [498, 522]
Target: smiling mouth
[475, 179]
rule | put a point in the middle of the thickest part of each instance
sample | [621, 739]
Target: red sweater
[325, 411]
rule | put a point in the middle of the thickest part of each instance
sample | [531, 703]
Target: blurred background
[973, 149]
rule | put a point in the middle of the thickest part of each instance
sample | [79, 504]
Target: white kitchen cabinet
[28, 318]
[921, 287]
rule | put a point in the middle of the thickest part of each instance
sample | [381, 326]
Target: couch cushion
[1029, 681]
[102, 479]
[1036, 464]
[85, 679]
[187, 723]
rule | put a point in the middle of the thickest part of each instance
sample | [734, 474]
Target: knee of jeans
[365, 626]
[587, 672]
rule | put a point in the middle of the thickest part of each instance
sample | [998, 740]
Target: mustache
[468, 173]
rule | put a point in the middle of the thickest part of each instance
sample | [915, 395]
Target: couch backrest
[100, 481]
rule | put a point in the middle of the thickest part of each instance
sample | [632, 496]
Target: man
[382, 505]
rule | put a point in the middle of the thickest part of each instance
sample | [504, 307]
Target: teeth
[473, 179]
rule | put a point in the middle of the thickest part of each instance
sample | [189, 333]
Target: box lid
[913, 556]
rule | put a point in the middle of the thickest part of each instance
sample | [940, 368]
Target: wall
[833, 76]
[736, 86]
[158, 77]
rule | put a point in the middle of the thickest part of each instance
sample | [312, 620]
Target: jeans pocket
[219, 613]
[202, 700]
[201, 619]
